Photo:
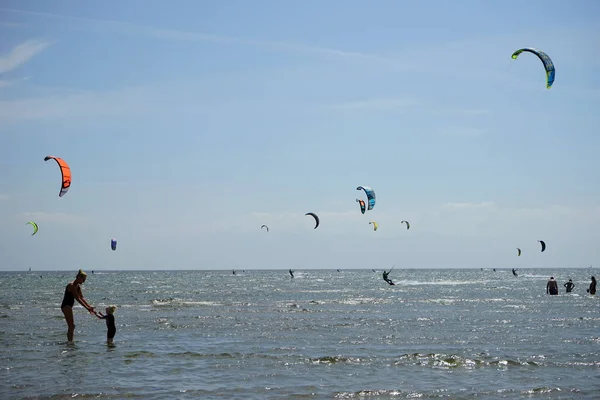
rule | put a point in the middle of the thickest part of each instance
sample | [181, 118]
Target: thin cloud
[463, 132]
[386, 104]
[3, 197]
[484, 204]
[172, 34]
[7, 83]
[11, 24]
[475, 218]
[465, 112]
[83, 104]
[21, 53]
[41, 216]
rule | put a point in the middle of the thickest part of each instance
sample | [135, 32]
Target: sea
[323, 334]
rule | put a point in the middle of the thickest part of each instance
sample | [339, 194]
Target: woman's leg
[68, 312]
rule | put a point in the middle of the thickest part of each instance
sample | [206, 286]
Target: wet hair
[111, 309]
[81, 274]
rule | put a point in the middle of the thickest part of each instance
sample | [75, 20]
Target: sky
[187, 126]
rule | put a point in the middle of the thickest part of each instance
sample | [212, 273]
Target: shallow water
[259, 334]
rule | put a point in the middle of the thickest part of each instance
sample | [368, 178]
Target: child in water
[110, 323]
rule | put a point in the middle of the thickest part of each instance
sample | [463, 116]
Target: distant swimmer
[569, 285]
[592, 289]
[291, 273]
[494, 269]
[515, 272]
[552, 287]
[233, 271]
[385, 277]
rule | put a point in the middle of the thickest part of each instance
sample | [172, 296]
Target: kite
[35, 227]
[518, 251]
[375, 226]
[548, 64]
[543, 244]
[113, 244]
[407, 224]
[315, 216]
[362, 205]
[66, 174]
[264, 226]
[370, 196]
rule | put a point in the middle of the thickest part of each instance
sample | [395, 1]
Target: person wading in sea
[72, 293]
[592, 289]
[552, 287]
[569, 285]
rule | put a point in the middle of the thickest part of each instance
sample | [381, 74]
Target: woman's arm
[79, 297]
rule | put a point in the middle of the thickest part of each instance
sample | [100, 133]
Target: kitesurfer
[552, 287]
[385, 277]
[592, 289]
[72, 293]
[292, 273]
[514, 272]
[569, 285]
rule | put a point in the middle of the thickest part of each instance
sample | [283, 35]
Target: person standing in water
[110, 323]
[72, 293]
[592, 289]
[569, 285]
[514, 272]
[552, 287]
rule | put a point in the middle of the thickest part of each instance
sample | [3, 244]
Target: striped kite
[362, 205]
[370, 196]
[548, 64]
[66, 174]
[35, 227]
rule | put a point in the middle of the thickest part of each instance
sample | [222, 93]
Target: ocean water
[259, 334]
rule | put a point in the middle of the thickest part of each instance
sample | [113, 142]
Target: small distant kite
[543, 244]
[407, 224]
[66, 174]
[35, 227]
[362, 205]
[518, 252]
[370, 196]
[548, 64]
[316, 217]
[113, 244]
[264, 226]
[375, 225]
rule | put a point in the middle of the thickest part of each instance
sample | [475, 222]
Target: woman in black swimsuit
[72, 293]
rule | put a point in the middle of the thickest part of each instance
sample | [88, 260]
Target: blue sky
[187, 127]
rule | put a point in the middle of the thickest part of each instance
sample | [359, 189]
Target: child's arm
[100, 315]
